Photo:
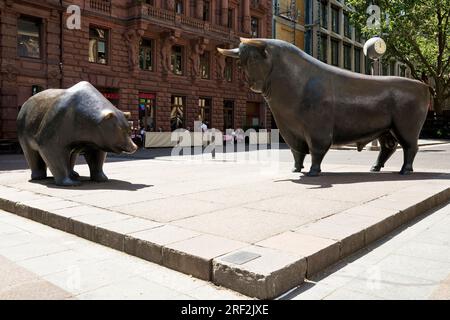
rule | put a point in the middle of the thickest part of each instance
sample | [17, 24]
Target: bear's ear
[107, 115]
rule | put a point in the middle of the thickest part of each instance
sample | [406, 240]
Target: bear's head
[116, 132]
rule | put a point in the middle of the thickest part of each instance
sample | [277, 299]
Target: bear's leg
[36, 163]
[73, 159]
[58, 162]
[95, 160]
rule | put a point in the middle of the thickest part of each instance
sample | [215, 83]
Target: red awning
[147, 96]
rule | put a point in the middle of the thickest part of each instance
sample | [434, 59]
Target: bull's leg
[409, 153]
[95, 160]
[388, 145]
[408, 139]
[35, 161]
[299, 158]
[73, 159]
[316, 158]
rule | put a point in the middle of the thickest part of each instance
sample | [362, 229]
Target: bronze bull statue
[316, 105]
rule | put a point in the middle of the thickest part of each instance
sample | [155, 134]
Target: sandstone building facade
[155, 59]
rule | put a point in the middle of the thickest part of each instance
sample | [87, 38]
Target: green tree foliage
[417, 33]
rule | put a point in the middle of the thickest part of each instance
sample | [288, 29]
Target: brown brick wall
[19, 74]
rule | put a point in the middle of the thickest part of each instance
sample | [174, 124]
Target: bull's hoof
[313, 173]
[67, 182]
[297, 170]
[99, 177]
[74, 175]
[405, 172]
[376, 169]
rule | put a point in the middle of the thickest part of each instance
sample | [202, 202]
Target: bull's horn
[254, 42]
[233, 53]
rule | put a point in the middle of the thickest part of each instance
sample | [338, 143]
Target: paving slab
[255, 228]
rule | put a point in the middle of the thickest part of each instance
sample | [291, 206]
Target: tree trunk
[438, 105]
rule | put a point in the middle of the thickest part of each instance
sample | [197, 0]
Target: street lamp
[374, 49]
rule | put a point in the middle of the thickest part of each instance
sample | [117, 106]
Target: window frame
[173, 60]
[229, 66]
[358, 53]
[203, 108]
[335, 19]
[173, 104]
[324, 14]
[258, 27]
[152, 52]
[233, 108]
[334, 41]
[323, 56]
[207, 11]
[40, 23]
[347, 48]
[107, 41]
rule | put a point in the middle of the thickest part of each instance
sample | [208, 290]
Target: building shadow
[330, 179]
[342, 263]
[87, 185]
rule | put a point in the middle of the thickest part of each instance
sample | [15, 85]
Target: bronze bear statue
[56, 125]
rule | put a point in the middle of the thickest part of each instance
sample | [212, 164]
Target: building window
[230, 18]
[228, 69]
[177, 112]
[205, 66]
[392, 67]
[179, 7]
[308, 42]
[385, 68]
[308, 11]
[335, 19]
[358, 37]
[369, 65]
[146, 55]
[335, 52]
[98, 45]
[324, 14]
[402, 71]
[358, 60]
[29, 37]
[205, 109]
[228, 115]
[147, 112]
[177, 60]
[255, 27]
[323, 54]
[347, 26]
[206, 11]
[347, 57]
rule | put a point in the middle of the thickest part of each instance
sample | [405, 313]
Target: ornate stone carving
[198, 48]
[169, 40]
[11, 72]
[133, 39]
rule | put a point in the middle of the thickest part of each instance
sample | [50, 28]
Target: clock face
[380, 46]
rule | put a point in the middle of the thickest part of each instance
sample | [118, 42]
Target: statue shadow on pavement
[87, 185]
[330, 179]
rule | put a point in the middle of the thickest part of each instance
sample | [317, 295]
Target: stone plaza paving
[247, 225]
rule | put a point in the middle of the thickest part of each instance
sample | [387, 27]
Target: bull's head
[255, 60]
